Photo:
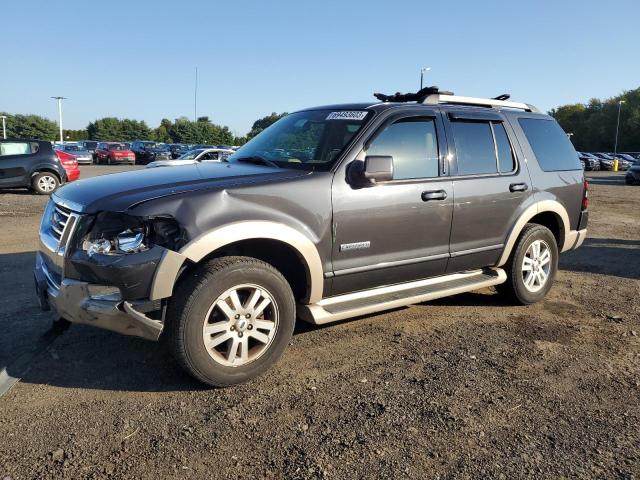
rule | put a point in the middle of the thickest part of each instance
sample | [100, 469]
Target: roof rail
[445, 97]
[434, 96]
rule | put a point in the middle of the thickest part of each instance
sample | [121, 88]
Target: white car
[195, 156]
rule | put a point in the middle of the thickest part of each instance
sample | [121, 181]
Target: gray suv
[332, 212]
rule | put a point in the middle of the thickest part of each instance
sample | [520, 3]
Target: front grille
[59, 218]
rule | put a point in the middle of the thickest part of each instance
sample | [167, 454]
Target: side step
[378, 299]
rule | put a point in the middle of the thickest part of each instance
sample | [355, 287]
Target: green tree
[594, 125]
[108, 128]
[30, 126]
[264, 122]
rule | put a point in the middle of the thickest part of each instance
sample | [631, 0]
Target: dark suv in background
[33, 164]
[333, 212]
[147, 151]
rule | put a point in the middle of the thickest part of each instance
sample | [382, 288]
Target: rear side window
[15, 148]
[482, 147]
[475, 150]
[413, 144]
[550, 144]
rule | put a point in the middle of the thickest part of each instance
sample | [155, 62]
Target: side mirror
[378, 168]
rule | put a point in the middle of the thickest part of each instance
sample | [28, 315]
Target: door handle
[433, 195]
[518, 187]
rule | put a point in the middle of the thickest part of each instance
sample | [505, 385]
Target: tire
[109, 160]
[45, 183]
[517, 288]
[195, 305]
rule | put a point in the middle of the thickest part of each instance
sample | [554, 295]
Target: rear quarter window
[550, 145]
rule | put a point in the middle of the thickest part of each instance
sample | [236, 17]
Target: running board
[355, 304]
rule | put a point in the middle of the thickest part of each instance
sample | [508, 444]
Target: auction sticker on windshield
[347, 115]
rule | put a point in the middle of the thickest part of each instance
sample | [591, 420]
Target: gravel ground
[464, 387]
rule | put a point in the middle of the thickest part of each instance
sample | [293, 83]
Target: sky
[137, 58]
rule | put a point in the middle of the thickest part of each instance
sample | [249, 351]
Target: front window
[117, 147]
[311, 140]
[190, 155]
[71, 148]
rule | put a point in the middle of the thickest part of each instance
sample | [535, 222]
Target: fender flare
[208, 242]
[533, 210]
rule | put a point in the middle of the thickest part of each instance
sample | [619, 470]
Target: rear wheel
[231, 320]
[45, 183]
[532, 265]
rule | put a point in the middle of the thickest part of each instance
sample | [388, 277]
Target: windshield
[90, 144]
[191, 155]
[71, 148]
[152, 145]
[311, 140]
[117, 147]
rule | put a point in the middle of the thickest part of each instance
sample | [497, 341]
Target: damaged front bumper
[120, 293]
[97, 305]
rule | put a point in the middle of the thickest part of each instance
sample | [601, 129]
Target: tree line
[181, 130]
[593, 125]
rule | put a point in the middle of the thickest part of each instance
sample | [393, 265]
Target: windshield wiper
[256, 159]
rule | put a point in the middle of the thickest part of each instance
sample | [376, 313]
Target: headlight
[120, 234]
[127, 241]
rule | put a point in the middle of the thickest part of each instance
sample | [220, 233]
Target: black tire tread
[184, 296]
[508, 289]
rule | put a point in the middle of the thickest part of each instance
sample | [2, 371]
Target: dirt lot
[466, 387]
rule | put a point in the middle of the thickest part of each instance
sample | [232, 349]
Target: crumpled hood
[120, 191]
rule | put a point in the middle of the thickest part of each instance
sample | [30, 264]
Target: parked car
[606, 161]
[146, 151]
[70, 164]
[34, 164]
[623, 164]
[225, 257]
[195, 156]
[633, 175]
[90, 146]
[110, 153]
[178, 149]
[628, 158]
[591, 162]
[635, 155]
[84, 157]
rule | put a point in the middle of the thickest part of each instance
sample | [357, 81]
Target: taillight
[585, 196]
[65, 158]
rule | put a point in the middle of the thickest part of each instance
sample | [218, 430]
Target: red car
[114, 152]
[70, 165]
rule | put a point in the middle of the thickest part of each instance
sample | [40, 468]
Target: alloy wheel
[47, 183]
[240, 325]
[536, 266]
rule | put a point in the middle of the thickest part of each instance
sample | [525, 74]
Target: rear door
[395, 231]
[15, 162]
[491, 185]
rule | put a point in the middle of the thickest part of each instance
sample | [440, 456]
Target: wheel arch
[288, 250]
[549, 213]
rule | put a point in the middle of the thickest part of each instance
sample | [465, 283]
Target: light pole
[195, 98]
[60, 115]
[422, 70]
[615, 148]
[4, 126]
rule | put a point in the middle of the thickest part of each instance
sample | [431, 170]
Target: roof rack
[433, 96]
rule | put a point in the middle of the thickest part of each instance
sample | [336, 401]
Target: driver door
[396, 231]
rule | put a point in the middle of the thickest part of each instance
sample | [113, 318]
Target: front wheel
[231, 320]
[532, 265]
